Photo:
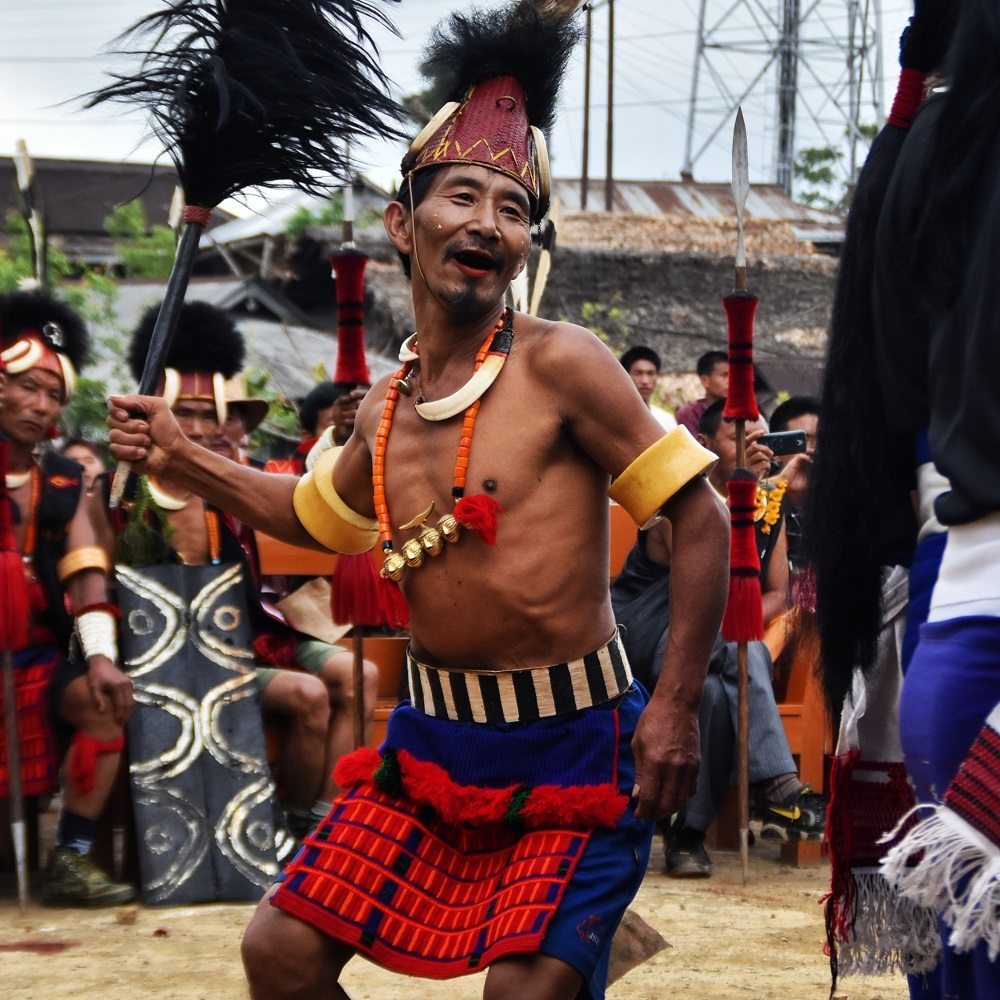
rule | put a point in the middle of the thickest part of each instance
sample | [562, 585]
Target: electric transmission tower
[815, 64]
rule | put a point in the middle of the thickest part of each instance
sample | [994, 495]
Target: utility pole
[609, 173]
[585, 165]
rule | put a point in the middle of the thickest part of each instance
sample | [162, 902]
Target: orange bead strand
[382, 440]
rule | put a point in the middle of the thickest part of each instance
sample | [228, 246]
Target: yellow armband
[325, 516]
[658, 473]
[89, 557]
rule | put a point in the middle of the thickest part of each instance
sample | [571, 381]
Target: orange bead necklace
[498, 342]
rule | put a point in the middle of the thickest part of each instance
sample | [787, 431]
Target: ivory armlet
[324, 514]
[662, 470]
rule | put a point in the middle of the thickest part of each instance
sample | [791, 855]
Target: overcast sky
[51, 51]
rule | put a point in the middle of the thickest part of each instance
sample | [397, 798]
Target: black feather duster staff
[249, 94]
[258, 93]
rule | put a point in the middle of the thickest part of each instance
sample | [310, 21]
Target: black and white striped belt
[520, 695]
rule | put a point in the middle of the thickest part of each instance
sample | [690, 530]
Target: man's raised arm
[145, 433]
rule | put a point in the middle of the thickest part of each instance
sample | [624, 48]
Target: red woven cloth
[383, 875]
[39, 765]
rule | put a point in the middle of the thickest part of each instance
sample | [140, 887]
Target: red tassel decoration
[359, 596]
[743, 621]
[741, 403]
[481, 514]
[909, 94]
[349, 268]
[14, 607]
[84, 752]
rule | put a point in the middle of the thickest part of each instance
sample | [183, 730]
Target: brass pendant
[413, 553]
[392, 567]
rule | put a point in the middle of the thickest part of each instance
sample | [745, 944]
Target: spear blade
[741, 188]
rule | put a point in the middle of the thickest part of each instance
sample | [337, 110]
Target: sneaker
[72, 879]
[801, 816]
[684, 854]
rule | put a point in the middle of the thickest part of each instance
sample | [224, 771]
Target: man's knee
[299, 696]
[284, 957]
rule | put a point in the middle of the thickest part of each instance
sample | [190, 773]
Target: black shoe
[801, 816]
[684, 854]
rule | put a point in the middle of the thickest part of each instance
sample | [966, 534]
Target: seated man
[70, 710]
[640, 596]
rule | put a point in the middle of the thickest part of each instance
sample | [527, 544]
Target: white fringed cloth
[950, 859]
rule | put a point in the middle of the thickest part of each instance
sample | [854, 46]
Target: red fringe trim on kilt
[428, 784]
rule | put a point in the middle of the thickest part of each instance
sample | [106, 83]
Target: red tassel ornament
[480, 513]
[359, 596]
[14, 606]
[743, 621]
[741, 403]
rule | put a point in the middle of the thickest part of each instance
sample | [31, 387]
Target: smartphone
[784, 442]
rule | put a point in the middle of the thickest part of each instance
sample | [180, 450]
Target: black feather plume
[513, 39]
[21, 311]
[258, 93]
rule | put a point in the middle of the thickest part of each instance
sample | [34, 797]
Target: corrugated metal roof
[706, 200]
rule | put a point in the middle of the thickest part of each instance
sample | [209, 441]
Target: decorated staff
[253, 93]
[743, 621]
[358, 596]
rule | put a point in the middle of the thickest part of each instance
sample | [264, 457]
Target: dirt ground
[725, 941]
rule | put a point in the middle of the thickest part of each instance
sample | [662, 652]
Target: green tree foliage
[144, 251]
[330, 214]
[815, 170]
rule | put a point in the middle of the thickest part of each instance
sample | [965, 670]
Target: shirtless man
[560, 421]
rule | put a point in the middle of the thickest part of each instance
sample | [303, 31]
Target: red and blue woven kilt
[455, 845]
[33, 670]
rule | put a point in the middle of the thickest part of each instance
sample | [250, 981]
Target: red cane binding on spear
[358, 595]
[742, 622]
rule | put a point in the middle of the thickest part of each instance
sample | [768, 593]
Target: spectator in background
[643, 366]
[328, 404]
[713, 370]
[89, 455]
[798, 413]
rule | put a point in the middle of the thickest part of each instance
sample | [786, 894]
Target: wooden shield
[201, 787]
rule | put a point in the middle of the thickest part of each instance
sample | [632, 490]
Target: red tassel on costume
[743, 621]
[481, 514]
[14, 606]
[909, 94]
[359, 596]
[83, 755]
[741, 403]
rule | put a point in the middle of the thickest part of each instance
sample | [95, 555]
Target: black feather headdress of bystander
[250, 94]
[38, 311]
[257, 93]
[206, 340]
